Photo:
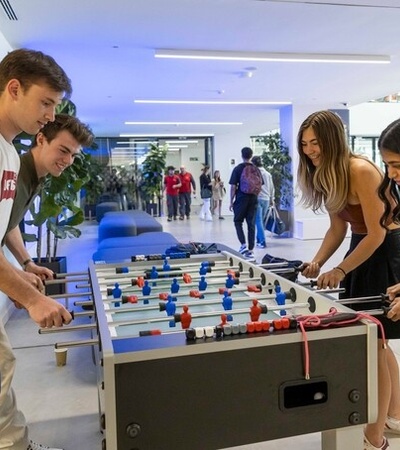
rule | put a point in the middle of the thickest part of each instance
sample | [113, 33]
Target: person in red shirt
[172, 183]
[185, 192]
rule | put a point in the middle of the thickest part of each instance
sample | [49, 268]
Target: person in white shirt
[265, 199]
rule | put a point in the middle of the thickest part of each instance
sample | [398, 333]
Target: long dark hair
[390, 140]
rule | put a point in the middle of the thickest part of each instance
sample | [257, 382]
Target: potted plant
[276, 159]
[93, 188]
[151, 185]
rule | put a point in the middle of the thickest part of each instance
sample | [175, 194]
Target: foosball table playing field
[212, 351]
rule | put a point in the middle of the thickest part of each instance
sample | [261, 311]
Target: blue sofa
[130, 223]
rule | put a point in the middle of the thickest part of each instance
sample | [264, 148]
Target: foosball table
[212, 351]
[208, 353]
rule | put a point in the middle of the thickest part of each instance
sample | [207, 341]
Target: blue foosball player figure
[202, 284]
[117, 292]
[175, 286]
[170, 306]
[230, 281]
[227, 301]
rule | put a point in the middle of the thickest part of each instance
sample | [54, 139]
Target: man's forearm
[16, 245]
[14, 285]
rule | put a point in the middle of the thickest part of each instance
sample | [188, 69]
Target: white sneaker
[243, 249]
[34, 446]
[209, 219]
[369, 446]
[392, 425]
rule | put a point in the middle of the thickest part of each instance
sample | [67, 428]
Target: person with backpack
[246, 182]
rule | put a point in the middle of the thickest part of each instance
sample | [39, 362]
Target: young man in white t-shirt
[31, 86]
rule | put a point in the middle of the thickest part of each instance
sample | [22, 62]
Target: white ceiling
[107, 49]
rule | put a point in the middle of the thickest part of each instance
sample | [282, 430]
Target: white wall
[370, 119]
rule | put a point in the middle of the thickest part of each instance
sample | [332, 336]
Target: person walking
[245, 182]
[188, 186]
[206, 194]
[218, 193]
[265, 199]
[172, 183]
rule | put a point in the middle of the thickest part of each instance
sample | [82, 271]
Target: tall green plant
[276, 159]
[153, 173]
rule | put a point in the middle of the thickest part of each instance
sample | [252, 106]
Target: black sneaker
[169, 219]
[249, 255]
[181, 218]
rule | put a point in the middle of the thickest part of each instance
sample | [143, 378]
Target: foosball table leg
[349, 437]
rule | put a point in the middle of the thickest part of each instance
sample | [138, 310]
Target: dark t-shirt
[28, 186]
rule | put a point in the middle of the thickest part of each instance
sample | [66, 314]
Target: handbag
[273, 222]
[205, 193]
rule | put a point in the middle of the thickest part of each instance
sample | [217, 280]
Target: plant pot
[152, 208]
[57, 265]
[90, 211]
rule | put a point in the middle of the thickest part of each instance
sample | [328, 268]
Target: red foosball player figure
[186, 318]
[255, 311]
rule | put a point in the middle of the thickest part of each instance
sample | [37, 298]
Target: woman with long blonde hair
[332, 178]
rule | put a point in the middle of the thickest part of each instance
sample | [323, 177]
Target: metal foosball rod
[72, 294]
[70, 274]
[264, 310]
[81, 343]
[169, 278]
[101, 272]
[67, 328]
[194, 293]
[63, 281]
[161, 306]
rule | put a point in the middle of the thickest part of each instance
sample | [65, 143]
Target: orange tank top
[354, 215]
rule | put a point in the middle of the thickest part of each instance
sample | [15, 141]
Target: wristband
[341, 270]
[26, 262]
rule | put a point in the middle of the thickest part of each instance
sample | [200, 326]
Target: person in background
[265, 199]
[185, 193]
[244, 207]
[206, 194]
[53, 150]
[218, 193]
[32, 84]
[372, 261]
[172, 184]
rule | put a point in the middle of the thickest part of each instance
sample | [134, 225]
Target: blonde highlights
[327, 185]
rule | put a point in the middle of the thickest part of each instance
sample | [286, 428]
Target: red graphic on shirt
[8, 185]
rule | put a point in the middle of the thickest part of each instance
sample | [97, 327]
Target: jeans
[244, 209]
[261, 217]
[184, 203]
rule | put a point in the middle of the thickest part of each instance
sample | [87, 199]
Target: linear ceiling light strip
[272, 57]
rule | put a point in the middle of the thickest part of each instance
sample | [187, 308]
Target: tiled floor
[60, 403]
